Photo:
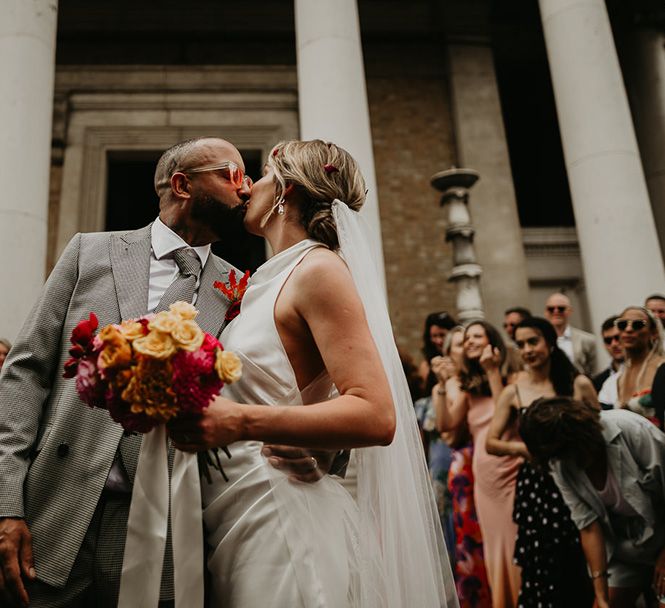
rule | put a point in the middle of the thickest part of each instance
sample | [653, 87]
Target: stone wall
[413, 139]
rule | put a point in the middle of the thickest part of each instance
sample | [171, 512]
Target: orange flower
[116, 352]
[149, 390]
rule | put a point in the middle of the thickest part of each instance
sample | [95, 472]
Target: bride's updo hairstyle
[321, 172]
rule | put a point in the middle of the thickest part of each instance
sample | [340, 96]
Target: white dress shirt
[163, 269]
[565, 343]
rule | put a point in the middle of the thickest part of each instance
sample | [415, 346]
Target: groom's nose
[245, 190]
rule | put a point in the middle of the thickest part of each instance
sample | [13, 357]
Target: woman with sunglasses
[641, 385]
[610, 469]
[482, 379]
[547, 546]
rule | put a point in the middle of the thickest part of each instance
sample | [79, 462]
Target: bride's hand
[219, 425]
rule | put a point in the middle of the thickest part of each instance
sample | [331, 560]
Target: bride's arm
[322, 294]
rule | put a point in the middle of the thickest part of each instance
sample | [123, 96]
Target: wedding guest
[656, 304]
[5, 345]
[469, 562]
[579, 346]
[547, 546]
[482, 379]
[640, 386]
[512, 318]
[437, 326]
[610, 469]
[605, 382]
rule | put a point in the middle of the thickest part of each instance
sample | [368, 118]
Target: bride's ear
[289, 190]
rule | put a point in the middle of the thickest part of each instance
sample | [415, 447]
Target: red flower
[83, 333]
[234, 292]
[210, 344]
[330, 168]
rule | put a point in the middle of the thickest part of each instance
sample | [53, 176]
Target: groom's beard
[222, 220]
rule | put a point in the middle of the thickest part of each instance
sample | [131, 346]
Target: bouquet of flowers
[149, 370]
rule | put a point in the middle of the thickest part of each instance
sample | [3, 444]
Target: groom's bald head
[188, 154]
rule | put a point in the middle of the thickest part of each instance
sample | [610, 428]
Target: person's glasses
[635, 324]
[559, 309]
[229, 170]
[609, 339]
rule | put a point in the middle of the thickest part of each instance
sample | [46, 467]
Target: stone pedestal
[620, 251]
[332, 92]
[27, 65]
[455, 185]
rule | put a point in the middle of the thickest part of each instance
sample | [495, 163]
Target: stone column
[621, 256]
[27, 65]
[481, 144]
[332, 92]
[455, 184]
[644, 55]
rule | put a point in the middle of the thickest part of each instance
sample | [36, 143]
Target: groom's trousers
[94, 581]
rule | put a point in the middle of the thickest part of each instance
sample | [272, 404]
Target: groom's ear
[180, 185]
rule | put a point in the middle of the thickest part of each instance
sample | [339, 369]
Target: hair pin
[329, 168]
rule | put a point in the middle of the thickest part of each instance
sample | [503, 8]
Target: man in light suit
[579, 345]
[66, 470]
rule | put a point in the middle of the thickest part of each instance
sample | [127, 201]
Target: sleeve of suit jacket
[28, 375]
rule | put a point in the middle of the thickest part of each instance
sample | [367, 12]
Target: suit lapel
[130, 260]
[211, 303]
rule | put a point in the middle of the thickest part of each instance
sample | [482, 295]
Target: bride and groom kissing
[313, 331]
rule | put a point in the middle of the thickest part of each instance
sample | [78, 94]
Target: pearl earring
[280, 209]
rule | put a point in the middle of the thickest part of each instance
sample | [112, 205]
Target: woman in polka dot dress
[547, 548]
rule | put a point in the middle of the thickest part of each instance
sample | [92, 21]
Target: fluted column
[27, 65]
[621, 256]
[332, 91]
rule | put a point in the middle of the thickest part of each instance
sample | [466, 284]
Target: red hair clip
[329, 168]
[275, 151]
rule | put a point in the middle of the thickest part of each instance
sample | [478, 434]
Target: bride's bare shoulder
[320, 273]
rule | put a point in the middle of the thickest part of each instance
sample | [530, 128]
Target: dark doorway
[131, 203]
[529, 114]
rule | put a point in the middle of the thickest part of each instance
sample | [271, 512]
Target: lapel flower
[234, 291]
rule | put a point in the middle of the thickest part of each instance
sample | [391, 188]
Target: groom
[66, 471]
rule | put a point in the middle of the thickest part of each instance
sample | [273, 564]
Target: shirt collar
[164, 242]
[567, 334]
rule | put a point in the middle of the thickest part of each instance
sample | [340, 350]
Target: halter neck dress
[274, 542]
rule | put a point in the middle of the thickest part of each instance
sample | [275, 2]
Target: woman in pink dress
[481, 382]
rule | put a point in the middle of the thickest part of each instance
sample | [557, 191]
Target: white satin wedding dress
[280, 544]
[263, 551]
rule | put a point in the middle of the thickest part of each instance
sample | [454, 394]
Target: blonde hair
[321, 172]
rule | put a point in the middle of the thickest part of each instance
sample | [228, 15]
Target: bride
[314, 320]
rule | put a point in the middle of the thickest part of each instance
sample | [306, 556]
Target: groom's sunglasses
[229, 171]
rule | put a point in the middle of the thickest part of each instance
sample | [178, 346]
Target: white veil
[394, 495]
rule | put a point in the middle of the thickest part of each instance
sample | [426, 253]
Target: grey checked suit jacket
[56, 453]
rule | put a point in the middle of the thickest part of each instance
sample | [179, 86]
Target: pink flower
[88, 385]
[210, 344]
[195, 381]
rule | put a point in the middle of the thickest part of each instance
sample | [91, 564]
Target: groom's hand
[302, 464]
[15, 561]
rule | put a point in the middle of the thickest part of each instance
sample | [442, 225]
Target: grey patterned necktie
[182, 288]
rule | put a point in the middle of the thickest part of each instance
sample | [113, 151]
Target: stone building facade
[448, 83]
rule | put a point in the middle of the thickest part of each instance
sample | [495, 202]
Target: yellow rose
[188, 335]
[132, 330]
[184, 310]
[156, 344]
[228, 366]
[116, 352]
[164, 321]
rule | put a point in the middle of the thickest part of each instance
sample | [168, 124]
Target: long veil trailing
[395, 500]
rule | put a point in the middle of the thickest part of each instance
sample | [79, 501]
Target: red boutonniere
[234, 291]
